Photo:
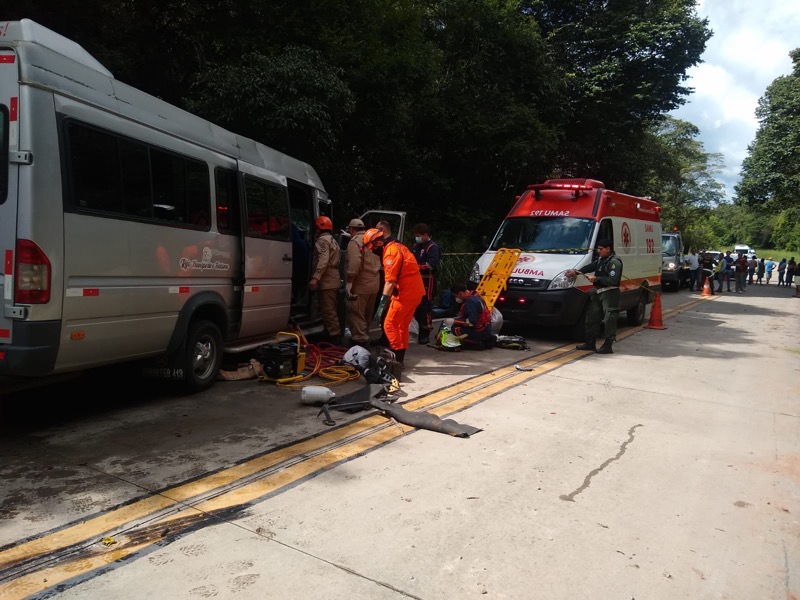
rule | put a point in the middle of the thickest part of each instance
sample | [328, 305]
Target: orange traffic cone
[655, 315]
[707, 288]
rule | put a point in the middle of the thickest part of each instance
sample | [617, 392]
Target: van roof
[26, 30]
[54, 63]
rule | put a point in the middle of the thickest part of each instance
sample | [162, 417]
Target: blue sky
[748, 51]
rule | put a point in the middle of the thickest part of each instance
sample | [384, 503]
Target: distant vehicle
[744, 249]
[714, 254]
[673, 273]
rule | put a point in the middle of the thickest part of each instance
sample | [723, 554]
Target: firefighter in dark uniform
[603, 299]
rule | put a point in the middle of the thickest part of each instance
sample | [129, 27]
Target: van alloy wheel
[203, 356]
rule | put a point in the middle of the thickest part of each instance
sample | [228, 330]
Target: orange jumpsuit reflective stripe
[401, 268]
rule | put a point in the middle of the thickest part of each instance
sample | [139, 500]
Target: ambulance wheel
[202, 356]
[635, 314]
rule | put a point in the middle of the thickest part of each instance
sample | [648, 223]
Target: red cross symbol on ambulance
[626, 235]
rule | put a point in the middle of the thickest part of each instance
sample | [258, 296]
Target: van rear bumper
[34, 350]
[548, 308]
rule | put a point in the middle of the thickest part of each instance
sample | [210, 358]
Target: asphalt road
[667, 470]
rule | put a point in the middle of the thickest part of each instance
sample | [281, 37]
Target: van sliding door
[267, 252]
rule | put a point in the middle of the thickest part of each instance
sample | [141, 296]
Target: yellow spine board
[495, 280]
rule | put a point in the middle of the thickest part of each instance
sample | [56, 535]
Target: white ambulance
[556, 225]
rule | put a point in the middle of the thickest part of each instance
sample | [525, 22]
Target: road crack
[588, 479]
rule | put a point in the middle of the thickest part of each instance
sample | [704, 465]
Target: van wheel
[202, 356]
[635, 315]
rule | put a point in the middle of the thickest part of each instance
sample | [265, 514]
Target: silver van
[131, 229]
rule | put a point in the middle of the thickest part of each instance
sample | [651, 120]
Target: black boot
[424, 336]
[590, 345]
[606, 347]
[399, 355]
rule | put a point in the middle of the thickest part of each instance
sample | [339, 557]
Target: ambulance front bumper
[546, 308]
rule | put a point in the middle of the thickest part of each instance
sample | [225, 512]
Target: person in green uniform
[603, 299]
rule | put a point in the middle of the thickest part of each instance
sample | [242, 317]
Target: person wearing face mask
[428, 254]
[474, 319]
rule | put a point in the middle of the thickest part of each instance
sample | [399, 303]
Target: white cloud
[748, 51]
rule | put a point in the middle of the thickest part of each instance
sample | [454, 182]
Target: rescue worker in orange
[402, 289]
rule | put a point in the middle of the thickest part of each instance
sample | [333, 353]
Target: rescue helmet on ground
[371, 237]
[324, 223]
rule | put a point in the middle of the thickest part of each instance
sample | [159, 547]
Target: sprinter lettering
[550, 213]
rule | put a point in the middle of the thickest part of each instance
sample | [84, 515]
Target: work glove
[381, 305]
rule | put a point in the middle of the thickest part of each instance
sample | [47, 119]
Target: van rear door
[9, 167]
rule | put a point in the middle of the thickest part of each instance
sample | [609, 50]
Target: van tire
[202, 356]
[635, 314]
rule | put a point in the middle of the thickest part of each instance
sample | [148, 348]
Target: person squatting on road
[402, 290]
[428, 254]
[363, 279]
[326, 280]
[474, 319]
[603, 299]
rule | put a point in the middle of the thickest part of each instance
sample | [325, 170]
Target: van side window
[227, 189]
[115, 175]
[267, 209]
[3, 153]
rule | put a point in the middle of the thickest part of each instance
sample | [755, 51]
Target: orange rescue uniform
[401, 268]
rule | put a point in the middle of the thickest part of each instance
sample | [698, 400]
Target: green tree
[409, 104]
[678, 173]
[771, 171]
[623, 63]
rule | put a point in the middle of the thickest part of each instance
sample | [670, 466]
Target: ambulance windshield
[556, 235]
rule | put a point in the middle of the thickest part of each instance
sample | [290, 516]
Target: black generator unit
[281, 359]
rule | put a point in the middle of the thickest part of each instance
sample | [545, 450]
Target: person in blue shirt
[769, 266]
[727, 270]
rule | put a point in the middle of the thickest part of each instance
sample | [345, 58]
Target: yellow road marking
[462, 395]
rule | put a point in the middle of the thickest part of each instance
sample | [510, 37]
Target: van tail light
[32, 274]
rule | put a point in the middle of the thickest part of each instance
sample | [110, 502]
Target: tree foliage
[771, 171]
[767, 193]
[623, 63]
[409, 104]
